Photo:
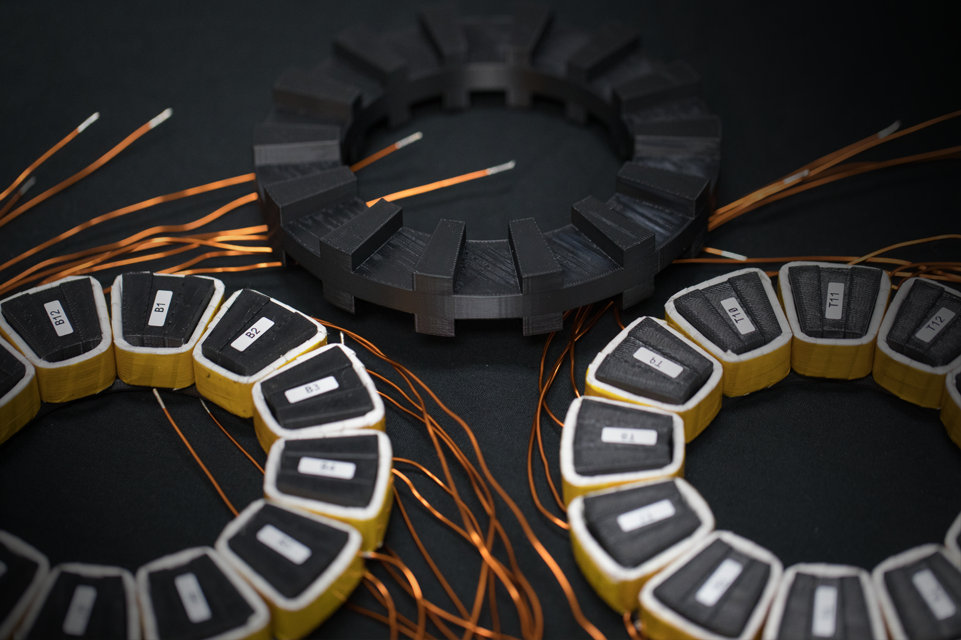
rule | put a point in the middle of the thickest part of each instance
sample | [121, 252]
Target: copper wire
[80, 175]
[440, 184]
[386, 151]
[386, 600]
[227, 433]
[418, 594]
[244, 267]
[210, 476]
[629, 626]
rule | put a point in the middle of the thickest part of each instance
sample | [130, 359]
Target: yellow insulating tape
[695, 419]
[372, 529]
[656, 628]
[917, 386]
[747, 376]
[842, 362]
[951, 418]
[291, 625]
[620, 596]
[20, 408]
[571, 491]
[59, 382]
[267, 437]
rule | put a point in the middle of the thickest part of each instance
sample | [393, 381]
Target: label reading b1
[933, 326]
[738, 316]
[622, 435]
[824, 618]
[283, 544]
[719, 582]
[251, 335]
[834, 305]
[78, 613]
[58, 318]
[192, 597]
[326, 468]
[660, 363]
[158, 312]
[643, 516]
[311, 389]
[934, 594]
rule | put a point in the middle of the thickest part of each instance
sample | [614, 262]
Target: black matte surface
[922, 308]
[228, 608]
[809, 288]
[14, 581]
[350, 399]
[12, 371]
[289, 579]
[622, 370]
[191, 297]
[358, 491]
[633, 548]
[730, 613]
[917, 618]
[814, 470]
[594, 457]
[28, 317]
[107, 621]
[289, 330]
[851, 621]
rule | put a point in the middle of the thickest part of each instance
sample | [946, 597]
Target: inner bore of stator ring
[558, 163]
[828, 471]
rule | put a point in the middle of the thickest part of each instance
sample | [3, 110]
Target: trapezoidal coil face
[614, 248]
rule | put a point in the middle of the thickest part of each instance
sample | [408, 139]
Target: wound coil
[919, 342]
[737, 318]
[835, 312]
[157, 320]
[25, 571]
[19, 392]
[251, 336]
[951, 405]
[63, 329]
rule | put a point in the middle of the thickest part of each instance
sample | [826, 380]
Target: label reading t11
[738, 316]
[933, 326]
[834, 305]
[660, 363]
[58, 318]
[158, 312]
[824, 618]
[311, 389]
[252, 334]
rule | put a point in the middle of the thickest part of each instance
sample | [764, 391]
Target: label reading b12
[737, 315]
[158, 312]
[251, 335]
[58, 318]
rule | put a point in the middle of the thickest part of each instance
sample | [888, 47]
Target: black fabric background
[813, 470]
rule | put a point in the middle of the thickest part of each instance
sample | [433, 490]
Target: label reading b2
[58, 318]
[735, 312]
[249, 336]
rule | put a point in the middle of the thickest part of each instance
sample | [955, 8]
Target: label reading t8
[78, 613]
[283, 544]
[252, 334]
[192, 597]
[719, 582]
[834, 305]
[934, 594]
[660, 363]
[824, 618]
[738, 316]
[158, 312]
[933, 326]
[311, 389]
[326, 468]
[643, 516]
[58, 318]
[623, 435]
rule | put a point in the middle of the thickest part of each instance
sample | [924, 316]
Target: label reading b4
[252, 334]
[58, 318]
[734, 310]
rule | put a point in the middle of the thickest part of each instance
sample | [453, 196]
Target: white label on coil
[719, 582]
[78, 613]
[737, 315]
[250, 336]
[934, 594]
[825, 614]
[3, 568]
[283, 544]
[192, 596]
[326, 468]
[835, 303]
[660, 363]
[158, 312]
[58, 318]
[643, 516]
[621, 435]
[935, 324]
[311, 389]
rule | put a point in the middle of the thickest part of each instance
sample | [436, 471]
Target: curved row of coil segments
[644, 538]
[287, 561]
